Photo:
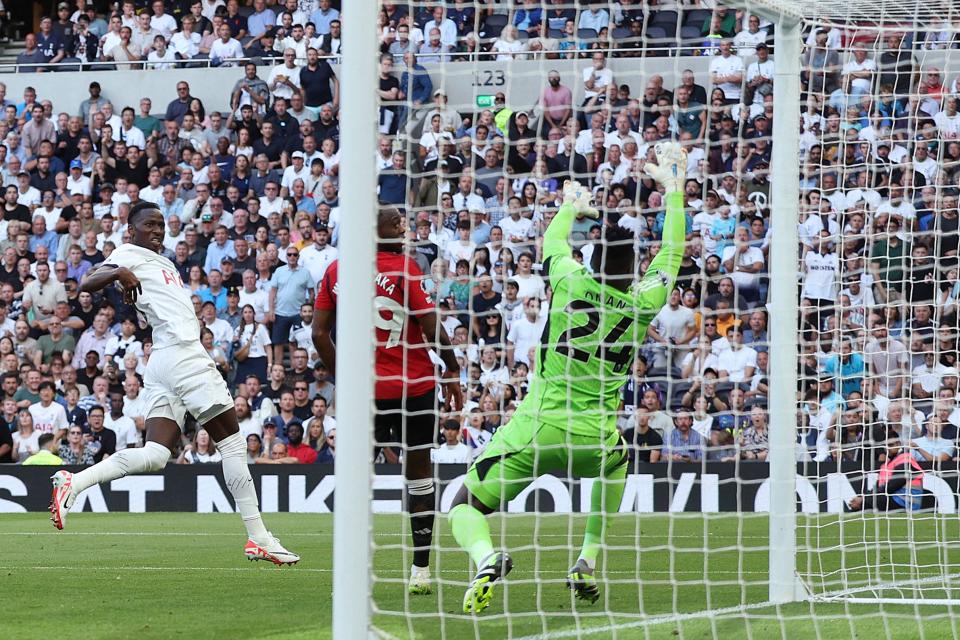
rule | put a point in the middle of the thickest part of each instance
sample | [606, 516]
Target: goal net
[810, 346]
[878, 333]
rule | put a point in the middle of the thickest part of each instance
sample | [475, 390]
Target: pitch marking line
[128, 568]
[381, 573]
[380, 534]
[654, 620]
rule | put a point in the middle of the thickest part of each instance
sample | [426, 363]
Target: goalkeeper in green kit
[567, 421]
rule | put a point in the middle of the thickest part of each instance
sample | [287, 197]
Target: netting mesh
[482, 125]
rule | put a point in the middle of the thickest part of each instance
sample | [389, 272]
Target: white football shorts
[183, 378]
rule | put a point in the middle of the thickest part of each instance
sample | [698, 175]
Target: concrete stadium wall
[521, 80]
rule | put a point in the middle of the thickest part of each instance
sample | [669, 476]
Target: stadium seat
[586, 34]
[669, 27]
[621, 33]
[556, 34]
[244, 11]
[656, 35]
[664, 17]
[496, 21]
[696, 17]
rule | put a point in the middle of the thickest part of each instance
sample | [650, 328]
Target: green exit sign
[485, 101]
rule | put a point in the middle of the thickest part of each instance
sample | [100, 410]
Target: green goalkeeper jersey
[593, 330]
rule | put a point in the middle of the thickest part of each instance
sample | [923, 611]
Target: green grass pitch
[166, 575]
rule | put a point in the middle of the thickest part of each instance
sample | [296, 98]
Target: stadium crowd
[251, 201]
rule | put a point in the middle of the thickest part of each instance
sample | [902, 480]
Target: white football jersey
[164, 301]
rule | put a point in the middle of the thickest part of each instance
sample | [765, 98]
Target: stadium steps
[8, 54]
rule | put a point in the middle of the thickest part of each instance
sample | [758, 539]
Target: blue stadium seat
[664, 17]
[586, 34]
[493, 25]
[656, 35]
[620, 33]
[696, 17]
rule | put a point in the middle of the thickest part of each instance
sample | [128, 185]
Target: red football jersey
[403, 362]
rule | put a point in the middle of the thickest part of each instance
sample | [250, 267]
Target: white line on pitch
[382, 572]
[654, 620]
[126, 568]
[379, 534]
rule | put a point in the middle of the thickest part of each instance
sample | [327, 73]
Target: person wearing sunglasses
[74, 450]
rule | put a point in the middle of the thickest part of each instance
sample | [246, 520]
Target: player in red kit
[407, 328]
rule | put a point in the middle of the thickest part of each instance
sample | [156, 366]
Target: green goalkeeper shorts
[525, 449]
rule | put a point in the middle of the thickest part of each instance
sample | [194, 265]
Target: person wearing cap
[317, 256]
[431, 138]
[450, 120]
[760, 75]
[77, 182]
[297, 170]
[28, 195]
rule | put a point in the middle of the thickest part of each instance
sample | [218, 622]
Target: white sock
[152, 456]
[233, 450]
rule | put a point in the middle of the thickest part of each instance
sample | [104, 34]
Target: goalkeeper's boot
[269, 549]
[582, 582]
[419, 584]
[62, 498]
[480, 592]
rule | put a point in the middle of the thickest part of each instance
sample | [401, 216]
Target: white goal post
[826, 552]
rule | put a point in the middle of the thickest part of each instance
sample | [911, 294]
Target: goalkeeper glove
[671, 168]
[580, 197]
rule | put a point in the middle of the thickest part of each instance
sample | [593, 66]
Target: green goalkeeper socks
[472, 532]
[604, 500]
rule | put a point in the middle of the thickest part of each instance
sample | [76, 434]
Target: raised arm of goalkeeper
[670, 171]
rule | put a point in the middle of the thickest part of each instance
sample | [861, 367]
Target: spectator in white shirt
[161, 57]
[162, 22]
[737, 363]
[525, 332]
[948, 120]
[186, 43]
[747, 40]
[447, 27]
[76, 181]
[452, 451]
[225, 48]
[726, 71]
[462, 248]
[517, 229]
[744, 262]
[672, 329]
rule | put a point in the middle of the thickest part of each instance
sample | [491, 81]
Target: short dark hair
[44, 439]
[46, 384]
[139, 208]
[615, 255]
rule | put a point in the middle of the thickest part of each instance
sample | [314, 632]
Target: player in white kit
[180, 377]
